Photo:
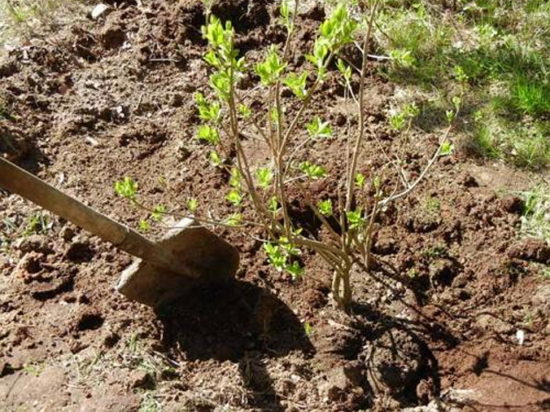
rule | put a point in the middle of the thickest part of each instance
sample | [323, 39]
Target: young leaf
[289, 248]
[325, 207]
[360, 180]
[270, 69]
[446, 149]
[235, 179]
[313, 171]
[215, 158]
[344, 70]
[355, 219]
[264, 176]
[295, 270]
[450, 115]
[234, 197]
[234, 220]
[245, 111]
[208, 134]
[317, 128]
[192, 204]
[275, 255]
[273, 205]
[144, 226]
[208, 111]
[126, 188]
[297, 84]
[158, 212]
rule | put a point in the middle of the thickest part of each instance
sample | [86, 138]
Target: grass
[535, 220]
[38, 224]
[150, 404]
[21, 18]
[495, 54]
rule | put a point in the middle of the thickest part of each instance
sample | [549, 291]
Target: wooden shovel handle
[41, 193]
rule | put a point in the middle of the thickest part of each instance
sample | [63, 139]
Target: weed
[436, 251]
[38, 224]
[432, 205]
[150, 404]
[546, 273]
[33, 368]
[308, 329]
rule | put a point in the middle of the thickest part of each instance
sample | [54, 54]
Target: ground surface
[437, 323]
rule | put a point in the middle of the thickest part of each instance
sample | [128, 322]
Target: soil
[453, 316]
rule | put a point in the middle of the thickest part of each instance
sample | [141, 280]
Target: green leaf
[158, 212]
[295, 270]
[245, 111]
[235, 219]
[208, 134]
[235, 179]
[325, 207]
[313, 171]
[208, 111]
[270, 70]
[192, 204]
[355, 219]
[297, 84]
[264, 176]
[275, 255]
[273, 205]
[126, 188]
[446, 149]
[215, 158]
[144, 226]
[317, 128]
[360, 180]
[234, 197]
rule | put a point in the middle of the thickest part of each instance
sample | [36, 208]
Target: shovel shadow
[239, 322]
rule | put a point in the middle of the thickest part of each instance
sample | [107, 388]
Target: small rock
[100, 10]
[512, 204]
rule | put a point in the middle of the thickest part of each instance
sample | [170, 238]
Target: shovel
[188, 256]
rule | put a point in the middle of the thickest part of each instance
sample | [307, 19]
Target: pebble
[100, 10]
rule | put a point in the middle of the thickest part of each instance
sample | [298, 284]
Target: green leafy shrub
[260, 192]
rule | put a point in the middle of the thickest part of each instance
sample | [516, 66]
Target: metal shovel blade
[209, 259]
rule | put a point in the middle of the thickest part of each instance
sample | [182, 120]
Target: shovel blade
[209, 260]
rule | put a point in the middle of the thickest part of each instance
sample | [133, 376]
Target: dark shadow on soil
[242, 323]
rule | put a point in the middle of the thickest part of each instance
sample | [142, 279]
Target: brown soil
[436, 323]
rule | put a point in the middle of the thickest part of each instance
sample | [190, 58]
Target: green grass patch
[535, 220]
[495, 54]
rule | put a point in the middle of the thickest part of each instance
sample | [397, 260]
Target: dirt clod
[512, 204]
[536, 250]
